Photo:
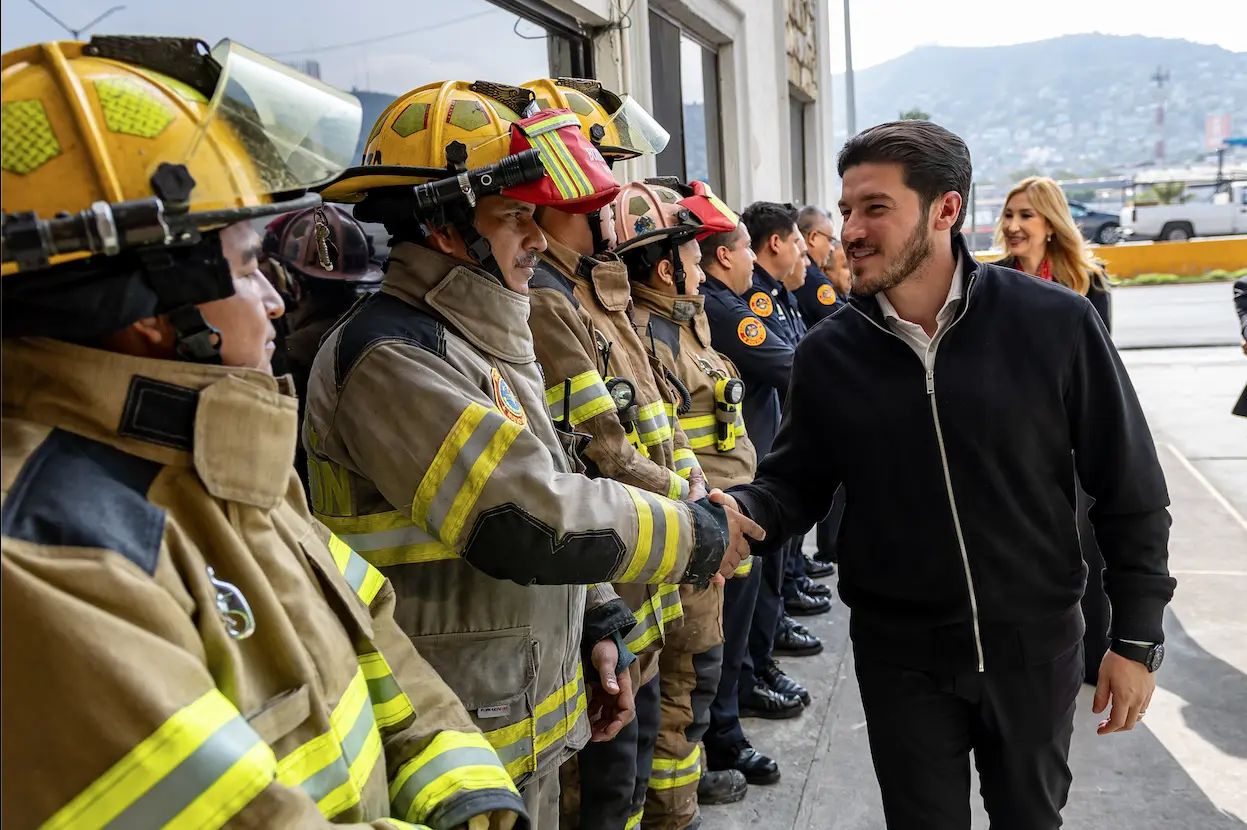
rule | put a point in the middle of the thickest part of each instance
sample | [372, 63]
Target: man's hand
[1130, 685]
[611, 704]
[740, 529]
[696, 485]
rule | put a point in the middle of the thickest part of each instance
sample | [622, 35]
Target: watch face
[1156, 657]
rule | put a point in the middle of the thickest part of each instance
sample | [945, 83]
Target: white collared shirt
[913, 333]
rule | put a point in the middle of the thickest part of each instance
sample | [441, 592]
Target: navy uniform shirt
[762, 353]
[817, 298]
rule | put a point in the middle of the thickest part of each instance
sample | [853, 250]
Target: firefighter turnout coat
[583, 337]
[431, 452]
[183, 645]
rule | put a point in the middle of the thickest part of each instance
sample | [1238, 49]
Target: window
[1077, 211]
[796, 139]
[685, 76]
[377, 49]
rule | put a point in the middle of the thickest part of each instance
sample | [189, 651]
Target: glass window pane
[693, 98]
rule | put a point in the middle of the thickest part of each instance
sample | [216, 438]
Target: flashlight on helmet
[472, 185]
[728, 393]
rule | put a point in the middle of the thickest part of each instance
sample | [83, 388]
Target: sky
[885, 29]
[395, 45]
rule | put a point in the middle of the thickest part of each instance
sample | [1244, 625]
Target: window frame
[569, 41]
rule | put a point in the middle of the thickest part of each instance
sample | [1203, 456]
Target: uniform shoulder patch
[761, 304]
[75, 492]
[545, 276]
[826, 294]
[751, 331]
[380, 318]
[508, 404]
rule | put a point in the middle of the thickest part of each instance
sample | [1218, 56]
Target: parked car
[1101, 228]
[1207, 210]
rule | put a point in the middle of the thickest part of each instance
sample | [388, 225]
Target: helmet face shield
[296, 132]
[632, 132]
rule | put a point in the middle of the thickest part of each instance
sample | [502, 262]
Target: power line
[332, 47]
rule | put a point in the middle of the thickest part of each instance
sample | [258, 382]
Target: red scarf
[1045, 271]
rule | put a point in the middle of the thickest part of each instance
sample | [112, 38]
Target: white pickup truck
[1206, 214]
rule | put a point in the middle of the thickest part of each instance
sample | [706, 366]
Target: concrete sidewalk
[1185, 768]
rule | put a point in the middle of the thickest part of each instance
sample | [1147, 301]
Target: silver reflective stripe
[189, 779]
[594, 393]
[658, 536]
[436, 767]
[653, 424]
[683, 462]
[383, 539]
[356, 571]
[457, 474]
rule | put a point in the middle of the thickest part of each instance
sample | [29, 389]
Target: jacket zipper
[948, 479]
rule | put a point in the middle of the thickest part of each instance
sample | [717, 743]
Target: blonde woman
[1041, 239]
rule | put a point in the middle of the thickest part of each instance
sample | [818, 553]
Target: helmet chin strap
[477, 246]
[677, 265]
[600, 245]
[197, 340]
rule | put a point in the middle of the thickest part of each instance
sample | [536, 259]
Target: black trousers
[614, 775]
[829, 529]
[739, 597]
[922, 726]
[766, 611]
[794, 568]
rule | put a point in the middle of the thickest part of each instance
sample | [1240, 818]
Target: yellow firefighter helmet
[616, 124]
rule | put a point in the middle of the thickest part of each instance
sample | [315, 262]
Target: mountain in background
[1081, 104]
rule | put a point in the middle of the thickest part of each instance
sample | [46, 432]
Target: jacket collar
[685, 311]
[971, 270]
[607, 276]
[763, 281]
[236, 427]
[481, 310]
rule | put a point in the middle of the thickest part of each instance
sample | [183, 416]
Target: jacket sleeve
[487, 488]
[1240, 304]
[780, 497]
[684, 456]
[127, 728]
[1117, 466]
[564, 346]
[442, 772]
[606, 615]
[767, 361]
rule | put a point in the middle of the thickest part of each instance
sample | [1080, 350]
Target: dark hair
[711, 244]
[765, 219]
[933, 159]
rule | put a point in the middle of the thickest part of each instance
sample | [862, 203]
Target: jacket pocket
[280, 716]
[345, 601]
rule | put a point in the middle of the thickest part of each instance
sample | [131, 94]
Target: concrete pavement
[1165, 316]
[1186, 766]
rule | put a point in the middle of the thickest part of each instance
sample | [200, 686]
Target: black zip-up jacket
[959, 547]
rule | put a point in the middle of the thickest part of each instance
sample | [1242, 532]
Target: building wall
[762, 45]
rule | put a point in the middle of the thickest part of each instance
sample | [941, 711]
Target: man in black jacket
[971, 394]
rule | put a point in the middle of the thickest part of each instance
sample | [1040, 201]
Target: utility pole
[1160, 78]
[74, 33]
[850, 99]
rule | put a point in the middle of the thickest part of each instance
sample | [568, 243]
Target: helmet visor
[296, 131]
[632, 132]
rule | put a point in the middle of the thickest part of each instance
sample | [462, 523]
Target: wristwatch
[1150, 655]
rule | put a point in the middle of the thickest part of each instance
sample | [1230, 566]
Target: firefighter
[818, 296]
[583, 335]
[322, 261]
[183, 645]
[431, 448]
[663, 264]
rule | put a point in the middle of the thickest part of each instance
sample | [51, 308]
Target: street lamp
[850, 99]
[72, 31]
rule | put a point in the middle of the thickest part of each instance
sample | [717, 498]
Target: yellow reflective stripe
[592, 585]
[553, 122]
[685, 460]
[659, 609]
[576, 175]
[668, 774]
[452, 763]
[364, 579]
[206, 738]
[505, 738]
[589, 398]
[390, 704]
[678, 488]
[403, 825]
[672, 541]
[386, 539]
[700, 442]
[645, 531]
[634, 820]
[669, 600]
[697, 422]
[445, 458]
[555, 167]
[482, 469]
[652, 424]
[744, 568]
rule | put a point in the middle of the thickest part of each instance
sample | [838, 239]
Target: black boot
[812, 588]
[764, 702]
[756, 767]
[782, 684]
[795, 640]
[817, 568]
[722, 786]
[804, 605]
